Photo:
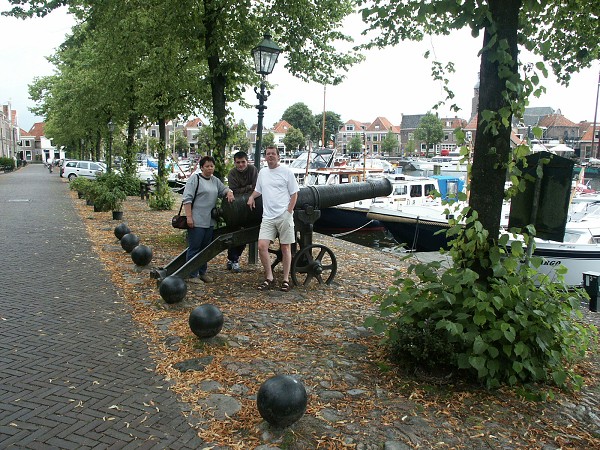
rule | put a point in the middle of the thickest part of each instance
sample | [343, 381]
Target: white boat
[406, 190]
[451, 163]
[423, 227]
[315, 159]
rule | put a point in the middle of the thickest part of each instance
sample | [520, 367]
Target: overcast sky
[388, 83]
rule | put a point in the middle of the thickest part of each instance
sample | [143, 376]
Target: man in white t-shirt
[279, 190]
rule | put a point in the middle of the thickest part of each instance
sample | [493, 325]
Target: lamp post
[111, 129]
[265, 56]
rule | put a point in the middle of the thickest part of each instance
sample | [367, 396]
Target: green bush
[129, 184]
[81, 185]
[513, 327]
[7, 162]
[162, 198]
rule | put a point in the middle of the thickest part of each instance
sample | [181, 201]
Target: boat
[453, 162]
[406, 190]
[423, 228]
[314, 159]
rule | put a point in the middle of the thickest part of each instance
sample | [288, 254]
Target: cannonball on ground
[141, 255]
[121, 230]
[206, 321]
[129, 242]
[281, 400]
[173, 289]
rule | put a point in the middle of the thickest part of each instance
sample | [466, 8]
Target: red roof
[281, 127]
[555, 120]
[37, 129]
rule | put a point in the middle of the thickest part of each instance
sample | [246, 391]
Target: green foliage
[129, 184]
[162, 198]
[390, 143]
[299, 116]
[293, 139]
[267, 140]
[513, 328]
[430, 130]
[80, 185]
[333, 122]
[109, 199]
[356, 144]
[7, 163]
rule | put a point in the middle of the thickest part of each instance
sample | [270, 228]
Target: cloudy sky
[388, 83]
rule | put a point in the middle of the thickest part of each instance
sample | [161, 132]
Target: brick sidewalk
[75, 372]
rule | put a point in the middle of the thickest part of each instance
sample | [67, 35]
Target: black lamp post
[111, 129]
[265, 56]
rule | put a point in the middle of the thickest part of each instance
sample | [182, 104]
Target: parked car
[88, 169]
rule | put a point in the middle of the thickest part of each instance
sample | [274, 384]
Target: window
[27, 143]
[416, 191]
[83, 165]
[349, 127]
[153, 133]
[446, 137]
[429, 189]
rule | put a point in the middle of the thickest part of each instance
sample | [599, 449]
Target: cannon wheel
[315, 261]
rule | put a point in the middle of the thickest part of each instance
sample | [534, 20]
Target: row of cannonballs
[281, 400]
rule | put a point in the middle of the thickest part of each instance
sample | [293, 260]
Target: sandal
[285, 286]
[266, 285]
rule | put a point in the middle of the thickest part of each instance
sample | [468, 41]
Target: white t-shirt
[276, 187]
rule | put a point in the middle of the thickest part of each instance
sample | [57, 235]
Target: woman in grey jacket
[202, 190]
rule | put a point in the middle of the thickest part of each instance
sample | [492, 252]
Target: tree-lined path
[74, 368]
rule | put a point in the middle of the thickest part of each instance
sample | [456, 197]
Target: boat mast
[324, 118]
[594, 126]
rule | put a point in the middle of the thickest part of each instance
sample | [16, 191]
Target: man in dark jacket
[241, 180]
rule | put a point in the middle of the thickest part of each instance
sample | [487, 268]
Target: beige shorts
[282, 226]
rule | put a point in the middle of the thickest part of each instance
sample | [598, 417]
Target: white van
[88, 169]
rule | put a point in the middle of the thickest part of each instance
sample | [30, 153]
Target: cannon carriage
[309, 261]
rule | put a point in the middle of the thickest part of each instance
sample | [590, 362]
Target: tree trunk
[98, 144]
[162, 152]
[129, 163]
[492, 147]
[218, 82]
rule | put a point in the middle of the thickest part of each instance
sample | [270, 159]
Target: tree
[430, 131]
[462, 314]
[333, 122]
[268, 140]
[293, 140]
[560, 32]
[222, 33]
[390, 144]
[299, 116]
[356, 144]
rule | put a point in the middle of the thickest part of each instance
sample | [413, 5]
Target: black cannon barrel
[238, 214]
[326, 196]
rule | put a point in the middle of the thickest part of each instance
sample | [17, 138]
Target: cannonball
[281, 400]
[129, 242]
[141, 255]
[121, 230]
[172, 289]
[206, 321]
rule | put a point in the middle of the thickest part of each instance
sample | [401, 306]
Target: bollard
[590, 283]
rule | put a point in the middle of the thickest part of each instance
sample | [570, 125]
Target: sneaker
[229, 265]
[194, 280]
[236, 267]
[206, 278]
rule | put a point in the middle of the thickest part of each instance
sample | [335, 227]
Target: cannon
[310, 261]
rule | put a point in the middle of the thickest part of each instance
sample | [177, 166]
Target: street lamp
[265, 56]
[111, 129]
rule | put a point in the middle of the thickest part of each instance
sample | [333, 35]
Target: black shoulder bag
[179, 220]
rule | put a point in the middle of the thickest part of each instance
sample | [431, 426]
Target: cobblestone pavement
[75, 372]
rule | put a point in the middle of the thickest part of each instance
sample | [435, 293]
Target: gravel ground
[315, 333]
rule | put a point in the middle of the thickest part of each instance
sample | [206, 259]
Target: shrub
[7, 162]
[129, 184]
[162, 198]
[81, 185]
[513, 327]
